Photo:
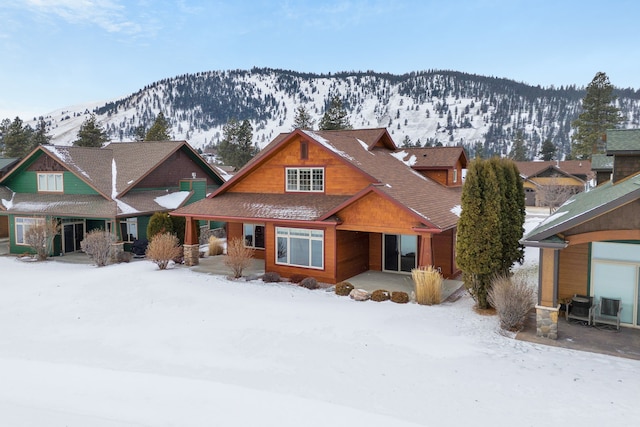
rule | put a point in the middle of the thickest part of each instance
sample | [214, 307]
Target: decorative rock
[359, 295]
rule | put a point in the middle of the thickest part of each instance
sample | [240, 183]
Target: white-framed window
[50, 182]
[305, 179]
[22, 225]
[129, 229]
[254, 236]
[455, 175]
[300, 247]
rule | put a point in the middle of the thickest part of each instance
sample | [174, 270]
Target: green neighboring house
[115, 188]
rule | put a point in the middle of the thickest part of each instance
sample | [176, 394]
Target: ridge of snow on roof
[327, 144]
[63, 154]
[400, 155]
[172, 200]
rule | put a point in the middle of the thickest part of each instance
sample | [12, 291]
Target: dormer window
[305, 179]
[50, 182]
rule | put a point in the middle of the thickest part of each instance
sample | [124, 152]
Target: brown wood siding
[573, 273]
[439, 176]
[443, 252]
[269, 177]
[4, 226]
[548, 276]
[352, 254]
[623, 218]
[45, 163]
[326, 275]
[624, 166]
[376, 214]
[375, 251]
[177, 167]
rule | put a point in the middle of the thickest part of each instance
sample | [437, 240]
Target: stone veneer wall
[191, 255]
[547, 321]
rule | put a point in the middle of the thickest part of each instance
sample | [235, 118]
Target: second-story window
[305, 179]
[50, 182]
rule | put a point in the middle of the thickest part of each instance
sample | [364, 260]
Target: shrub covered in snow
[344, 289]
[380, 295]
[512, 298]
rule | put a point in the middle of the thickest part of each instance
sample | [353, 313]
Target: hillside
[446, 107]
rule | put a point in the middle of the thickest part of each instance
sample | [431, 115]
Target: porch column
[548, 308]
[426, 250]
[191, 245]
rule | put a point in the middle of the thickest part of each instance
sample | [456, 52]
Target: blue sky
[57, 53]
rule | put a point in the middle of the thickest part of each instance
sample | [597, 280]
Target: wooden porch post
[548, 308]
[426, 250]
[191, 244]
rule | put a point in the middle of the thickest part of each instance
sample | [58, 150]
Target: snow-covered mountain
[446, 107]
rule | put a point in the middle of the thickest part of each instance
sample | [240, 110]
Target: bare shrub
[97, 244]
[380, 295]
[238, 257]
[344, 289]
[162, 249]
[400, 297]
[309, 283]
[40, 237]
[297, 278]
[512, 298]
[428, 285]
[215, 246]
[270, 277]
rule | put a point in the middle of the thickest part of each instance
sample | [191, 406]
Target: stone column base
[191, 255]
[547, 322]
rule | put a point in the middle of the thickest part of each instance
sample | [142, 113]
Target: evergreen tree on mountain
[518, 150]
[17, 138]
[598, 115]
[159, 130]
[40, 135]
[335, 118]
[548, 150]
[303, 119]
[236, 148]
[91, 134]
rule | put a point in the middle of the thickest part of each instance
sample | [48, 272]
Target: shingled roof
[571, 167]
[369, 150]
[436, 157]
[620, 141]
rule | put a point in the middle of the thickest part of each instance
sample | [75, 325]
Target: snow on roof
[456, 210]
[400, 155]
[8, 204]
[223, 174]
[327, 144]
[365, 146]
[65, 157]
[114, 175]
[284, 212]
[125, 208]
[172, 200]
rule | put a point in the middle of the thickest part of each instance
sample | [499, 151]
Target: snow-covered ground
[130, 345]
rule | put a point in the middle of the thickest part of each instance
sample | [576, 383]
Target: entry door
[73, 234]
[399, 252]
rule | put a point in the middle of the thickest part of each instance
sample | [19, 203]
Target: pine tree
[518, 150]
[40, 135]
[17, 139]
[479, 243]
[598, 115]
[335, 118]
[159, 130]
[91, 134]
[236, 148]
[303, 119]
[548, 150]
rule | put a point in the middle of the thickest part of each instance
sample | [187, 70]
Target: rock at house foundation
[359, 295]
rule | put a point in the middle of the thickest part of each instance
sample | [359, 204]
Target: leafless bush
[428, 285]
[238, 257]
[512, 298]
[309, 283]
[163, 248]
[270, 277]
[215, 246]
[40, 237]
[97, 244]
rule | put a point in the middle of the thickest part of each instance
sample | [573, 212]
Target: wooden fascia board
[226, 218]
[374, 188]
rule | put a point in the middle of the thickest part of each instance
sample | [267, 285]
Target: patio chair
[607, 312]
[580, 308]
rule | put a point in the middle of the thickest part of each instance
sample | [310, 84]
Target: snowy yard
[129, 345]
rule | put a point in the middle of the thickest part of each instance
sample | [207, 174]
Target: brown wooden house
[551, 183]
[333, 204]
[591, 245]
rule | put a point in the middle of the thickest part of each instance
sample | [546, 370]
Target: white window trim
[296, 188]
[45, 176]
[280, 233]
[24, 223]
[244, 236]
[129, 222]
[455, 175]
